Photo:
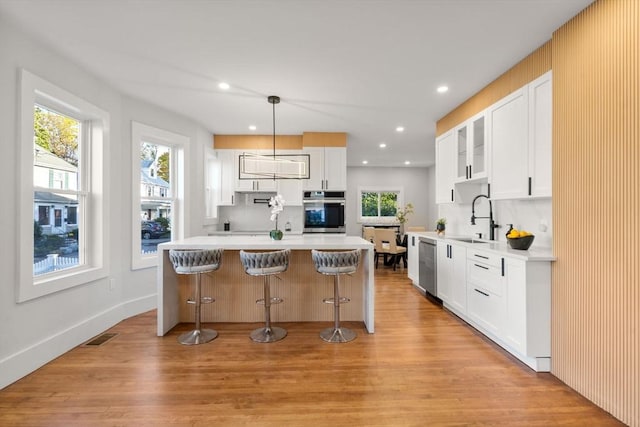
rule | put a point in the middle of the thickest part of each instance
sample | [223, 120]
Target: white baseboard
[22, 363]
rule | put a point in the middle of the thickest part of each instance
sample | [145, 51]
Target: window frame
[179, 153]
[379, 190]
[95, 123]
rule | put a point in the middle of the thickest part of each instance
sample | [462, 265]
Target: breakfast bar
[235, 293]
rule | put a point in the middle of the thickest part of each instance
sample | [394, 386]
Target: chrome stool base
[337, 335]
[197, 336]
[271, 334]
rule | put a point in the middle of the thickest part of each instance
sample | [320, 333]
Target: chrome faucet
[492, 224]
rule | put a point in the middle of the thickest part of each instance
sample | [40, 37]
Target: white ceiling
[356, 66]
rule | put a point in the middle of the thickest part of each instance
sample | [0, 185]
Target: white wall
[35, 332]
[246, 215]
[530, 215]
[418, 185]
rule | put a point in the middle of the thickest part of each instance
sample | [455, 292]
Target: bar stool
[336, 264]
[196, 261]
[266, 264]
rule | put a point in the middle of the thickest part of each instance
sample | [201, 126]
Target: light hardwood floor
[422, 367]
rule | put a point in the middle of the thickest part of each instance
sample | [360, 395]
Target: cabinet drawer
[485, 257]
[486, 309]
[486, 276]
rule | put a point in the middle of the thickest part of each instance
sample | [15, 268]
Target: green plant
[166, 224]
[441, 221]
[403, 214]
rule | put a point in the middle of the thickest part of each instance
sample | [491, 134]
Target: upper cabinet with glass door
[471, 149]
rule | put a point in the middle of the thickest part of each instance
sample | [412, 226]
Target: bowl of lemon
[520, 239]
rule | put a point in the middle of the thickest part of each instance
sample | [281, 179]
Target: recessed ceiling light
[223, 85]
[407, 162]
[364, 162]
[383, 145]
[442, 89]
[252, 127]
[400, 129]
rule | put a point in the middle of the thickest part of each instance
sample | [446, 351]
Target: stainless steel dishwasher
[427, 267]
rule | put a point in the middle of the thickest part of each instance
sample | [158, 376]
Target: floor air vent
[99, 340]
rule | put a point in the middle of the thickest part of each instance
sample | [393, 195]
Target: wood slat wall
[534, 65]
[283, 142]
[301, 286]
[257, 142]
[596, 206]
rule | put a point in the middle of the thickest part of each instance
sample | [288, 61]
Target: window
[158, 174]
[63, 195]
[379, 205]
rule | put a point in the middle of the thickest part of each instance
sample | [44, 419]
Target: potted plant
[440, 225]
[402, 215]
[277, 205]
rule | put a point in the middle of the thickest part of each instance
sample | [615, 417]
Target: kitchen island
[235, 293]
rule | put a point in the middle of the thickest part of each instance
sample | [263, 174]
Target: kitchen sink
[467, 240]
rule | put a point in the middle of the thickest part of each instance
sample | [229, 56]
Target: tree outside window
[56, 162]
[379, 204]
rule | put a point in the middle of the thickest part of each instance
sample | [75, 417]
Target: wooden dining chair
[385, 241]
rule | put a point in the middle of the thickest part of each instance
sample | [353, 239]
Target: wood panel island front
[235, 292]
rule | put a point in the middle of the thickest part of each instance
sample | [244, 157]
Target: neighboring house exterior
[55, 213]
[152, 187]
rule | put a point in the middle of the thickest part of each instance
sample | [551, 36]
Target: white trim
[179, 153]
[95, 264]
[27, 360]
[379, 189]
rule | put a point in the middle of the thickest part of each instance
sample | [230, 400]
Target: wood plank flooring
[422, 367]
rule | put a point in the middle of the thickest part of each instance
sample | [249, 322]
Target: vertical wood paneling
[596, 162]
[531, 67]
[302, 288]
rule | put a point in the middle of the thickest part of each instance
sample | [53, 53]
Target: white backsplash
[532, 215]
[248, 216]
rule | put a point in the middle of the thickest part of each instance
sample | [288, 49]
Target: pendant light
[287, 166]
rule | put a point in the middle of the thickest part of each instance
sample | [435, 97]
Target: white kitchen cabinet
[445, 170]
[520, 134]
[227, 177]
[486, 291]
[218, 182]
[251, 185]
[471, 149]
[451, 278]
[413, 258]
[327, 168]
[540, 136]
[508, 132]
[527, 328]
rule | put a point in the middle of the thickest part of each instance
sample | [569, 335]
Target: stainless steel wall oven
[324, 212]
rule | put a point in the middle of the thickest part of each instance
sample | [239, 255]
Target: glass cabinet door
[478, 166]
[462, 153]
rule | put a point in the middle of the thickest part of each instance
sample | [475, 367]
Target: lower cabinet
[413, 259]
[486, 289]
[528, 319]
[451, 276]
[508, 299]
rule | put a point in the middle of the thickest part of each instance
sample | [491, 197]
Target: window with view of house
[379, 205]
[158, 167]
[63, 193]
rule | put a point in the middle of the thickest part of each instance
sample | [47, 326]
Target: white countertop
[295, 241]
[501, 248]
